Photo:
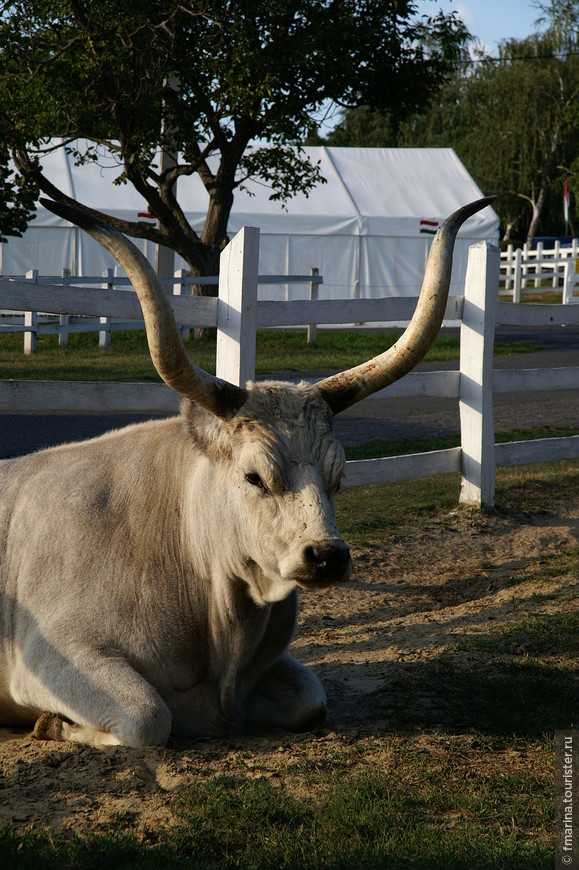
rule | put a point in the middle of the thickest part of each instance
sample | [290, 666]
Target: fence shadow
[497, 697]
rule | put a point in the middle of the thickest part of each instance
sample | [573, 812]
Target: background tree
[204, 80]
[512, 120]
[17, 200]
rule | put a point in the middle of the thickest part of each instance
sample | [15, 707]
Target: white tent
[368, 229]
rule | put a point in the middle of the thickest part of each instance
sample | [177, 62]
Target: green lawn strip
[366, 514]
[380, 447]
[278, 351]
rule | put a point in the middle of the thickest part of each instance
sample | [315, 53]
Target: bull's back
[73, 520]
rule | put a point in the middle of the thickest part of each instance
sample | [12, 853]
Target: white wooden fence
[237, 315]
[32, 324]
[526, 270]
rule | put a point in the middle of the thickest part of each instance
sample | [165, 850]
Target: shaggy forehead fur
[287, 423]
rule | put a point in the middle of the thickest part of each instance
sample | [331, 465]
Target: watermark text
[566, 799]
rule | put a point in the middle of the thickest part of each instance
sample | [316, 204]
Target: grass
[519, 680]
[533, 637]
[411, 814]
[380, 447]
[376, 821]
[367, 514]
[277, 351]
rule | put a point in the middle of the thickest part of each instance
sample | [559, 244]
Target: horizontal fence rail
[237, 314]
[106, 309]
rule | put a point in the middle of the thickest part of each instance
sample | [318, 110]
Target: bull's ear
[345, 389]
[165, 344]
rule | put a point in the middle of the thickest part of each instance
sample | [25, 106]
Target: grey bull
[149, 577]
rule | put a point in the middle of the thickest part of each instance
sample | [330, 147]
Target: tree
[527, 101]
[512, 120]
[204, 80]
[17, 199]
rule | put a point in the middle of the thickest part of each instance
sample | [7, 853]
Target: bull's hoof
[48, 727]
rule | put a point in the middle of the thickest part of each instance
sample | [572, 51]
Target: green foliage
[16, 200]
[525, 102]
[205, 79]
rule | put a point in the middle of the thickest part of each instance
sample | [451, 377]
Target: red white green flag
[429, 227]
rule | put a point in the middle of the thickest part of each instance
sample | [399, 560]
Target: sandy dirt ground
[373, 641]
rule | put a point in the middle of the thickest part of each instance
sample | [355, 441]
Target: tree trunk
[508, 231]
[537, 206]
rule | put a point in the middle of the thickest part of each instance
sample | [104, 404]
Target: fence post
[30, 320]
[556, 264]
[525, 266]
[312, 327]
[569, 280]
[538, 264]
[180, 289]
[476, 368]
[518, 271]
[105, 334]
[236, 309]
[64, 318]
[509, 271]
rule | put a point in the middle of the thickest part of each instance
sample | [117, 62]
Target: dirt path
[390, 646]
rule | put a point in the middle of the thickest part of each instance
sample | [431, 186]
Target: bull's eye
[255, 480]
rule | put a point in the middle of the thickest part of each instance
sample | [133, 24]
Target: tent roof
[382, 191]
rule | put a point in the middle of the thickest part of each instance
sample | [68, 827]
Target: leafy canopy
[206, 81]
[512, 119]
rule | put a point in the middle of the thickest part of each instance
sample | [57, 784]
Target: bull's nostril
[310, 555]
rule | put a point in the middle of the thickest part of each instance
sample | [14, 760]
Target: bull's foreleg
[289, 696]
[49, 726]
[96, 699]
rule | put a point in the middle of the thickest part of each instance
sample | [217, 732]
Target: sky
[489, 20]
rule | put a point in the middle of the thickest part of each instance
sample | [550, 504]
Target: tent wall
[364, 229]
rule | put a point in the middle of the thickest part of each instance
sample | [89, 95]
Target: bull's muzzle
[326, 561]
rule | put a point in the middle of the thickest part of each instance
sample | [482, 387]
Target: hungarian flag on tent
[566, 207]
[429, 227]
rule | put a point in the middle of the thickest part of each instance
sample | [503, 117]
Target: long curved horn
[165, 344]
[345, 389]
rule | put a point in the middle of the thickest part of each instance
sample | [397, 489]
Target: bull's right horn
[345, 389]
[165, 344]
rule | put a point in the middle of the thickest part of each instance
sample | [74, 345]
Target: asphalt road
[389, 419]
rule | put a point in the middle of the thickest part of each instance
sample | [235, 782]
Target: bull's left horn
[165, 344]
[345, 389]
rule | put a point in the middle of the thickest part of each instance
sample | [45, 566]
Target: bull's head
[267, 449]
